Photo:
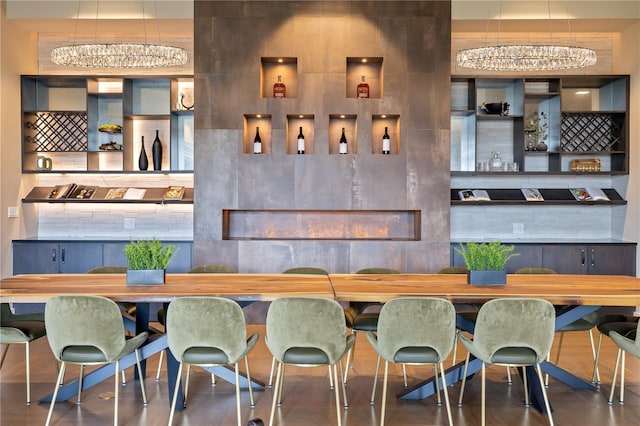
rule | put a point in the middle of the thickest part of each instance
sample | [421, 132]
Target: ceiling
[176, 16]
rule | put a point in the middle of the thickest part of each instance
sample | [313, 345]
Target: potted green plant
[148, 261]
[486, 262]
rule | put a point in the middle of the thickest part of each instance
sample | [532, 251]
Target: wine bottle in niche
[279, 89]
[300, 142]
[343, 143]
[143, 161]
[156, 151]
[386, 142]
[363, 88]
[257, 142]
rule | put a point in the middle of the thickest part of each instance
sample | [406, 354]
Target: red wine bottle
[300, 142]
[386, 142]
[343, 143]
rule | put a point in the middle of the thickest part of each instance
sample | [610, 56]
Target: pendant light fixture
[526, 57]
[119, 55]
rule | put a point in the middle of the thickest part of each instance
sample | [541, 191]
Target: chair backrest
[515, 322]
[454, 270]
[416, 322]
[108, 270]
[378, 271]
[306, 322]
[309, 270]
[535, 271]
[211, 269]
[84, 321]
[205, 321]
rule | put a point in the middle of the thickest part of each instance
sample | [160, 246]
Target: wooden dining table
[243, 288]
[579, 294]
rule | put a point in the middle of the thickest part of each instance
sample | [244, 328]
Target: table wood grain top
[560, 289]
[244, 287]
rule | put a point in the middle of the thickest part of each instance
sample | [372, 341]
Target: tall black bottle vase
[156, 151]
[143, 161]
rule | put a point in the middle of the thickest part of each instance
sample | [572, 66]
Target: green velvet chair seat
[306, 270]
[416, 355]
[305, 356]
[82, 354]
[21, 331]
[205, 356]
[514, 356]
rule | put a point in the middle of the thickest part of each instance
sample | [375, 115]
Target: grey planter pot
[487, 277]
[145, 276]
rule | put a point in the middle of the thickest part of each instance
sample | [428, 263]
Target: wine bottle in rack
[279, 88]
[363, 88]
[343, 143]
[386, 142]
[300, 142]
[257, 142]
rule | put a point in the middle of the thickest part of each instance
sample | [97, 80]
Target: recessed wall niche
[368, 69]
[253, 124]
[271, 68]
[392, 124]
[348, 122]
[296, 123]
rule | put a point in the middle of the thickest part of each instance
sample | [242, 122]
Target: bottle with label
[386, 142]
[257, 142]
[300, 142]
[156, 151]
[279, 89]
[343, 143]
[363, 88]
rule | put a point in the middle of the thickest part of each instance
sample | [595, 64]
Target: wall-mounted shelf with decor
[551, 123]
[367, 71]
[155, 195]
[96, 124]
[348, 122]
[390, 122]
[257, 125]
[300, 123]
[515, 196]
[284, 67]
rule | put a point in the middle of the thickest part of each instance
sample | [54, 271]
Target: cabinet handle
[53, 255]
[583, 258]
[62, 255]
[593, 257]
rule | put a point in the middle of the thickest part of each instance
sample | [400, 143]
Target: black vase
[143, 161]
[156, 151]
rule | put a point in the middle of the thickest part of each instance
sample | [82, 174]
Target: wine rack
[591, 132]
[56, 131]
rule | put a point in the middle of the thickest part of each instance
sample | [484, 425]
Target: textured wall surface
[413, 38]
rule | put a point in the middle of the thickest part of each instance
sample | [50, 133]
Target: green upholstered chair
[20, 329]
[304, 270]
[200, 269]
[625, 326]
[625, 345]
[88, 330]
[359, 320]
[511, 332]
[453, 270]
[414, 330]
[307, 332]
[208, 331]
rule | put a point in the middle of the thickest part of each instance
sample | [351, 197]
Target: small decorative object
[186, 98]
[143, 161]
[363, 88]
[501, 108]
[148, 261]
[537, 127]
[486, 262]
[43, 163]
[495, 165]
[156, 150]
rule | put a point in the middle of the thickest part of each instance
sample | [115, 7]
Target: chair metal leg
[124, 378]
[175, 394]
[281, 384]
[544, 395]
[141, 377]
[80, 379]
[331, 378]
[186, 384]
[527, 403]
[437, 383]
[238, 410]
[55, 392]
[595, 377]
[384, 393]
[350, 356]
[273, 365]
[375, 381]
[595, 355]
[483, 395]
[246, 366]
[455, 350]
[337, 392]
[28, 367]
[509, 381]
[4, 354]
[615, 373]
[159, 366]
[446, 393]
[344, 386]
[117, 391]
[213, 379]
[275, 394]
[624, 356]
[464, 380]
[404, 376]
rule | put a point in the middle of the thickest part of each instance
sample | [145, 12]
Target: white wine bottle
[257, 142]
[300, 142]
[343, 143]
[386, 142]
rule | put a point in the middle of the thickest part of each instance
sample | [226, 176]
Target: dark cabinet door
[565, 258]
[34, 257]
[78, 258]
[611, 259]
